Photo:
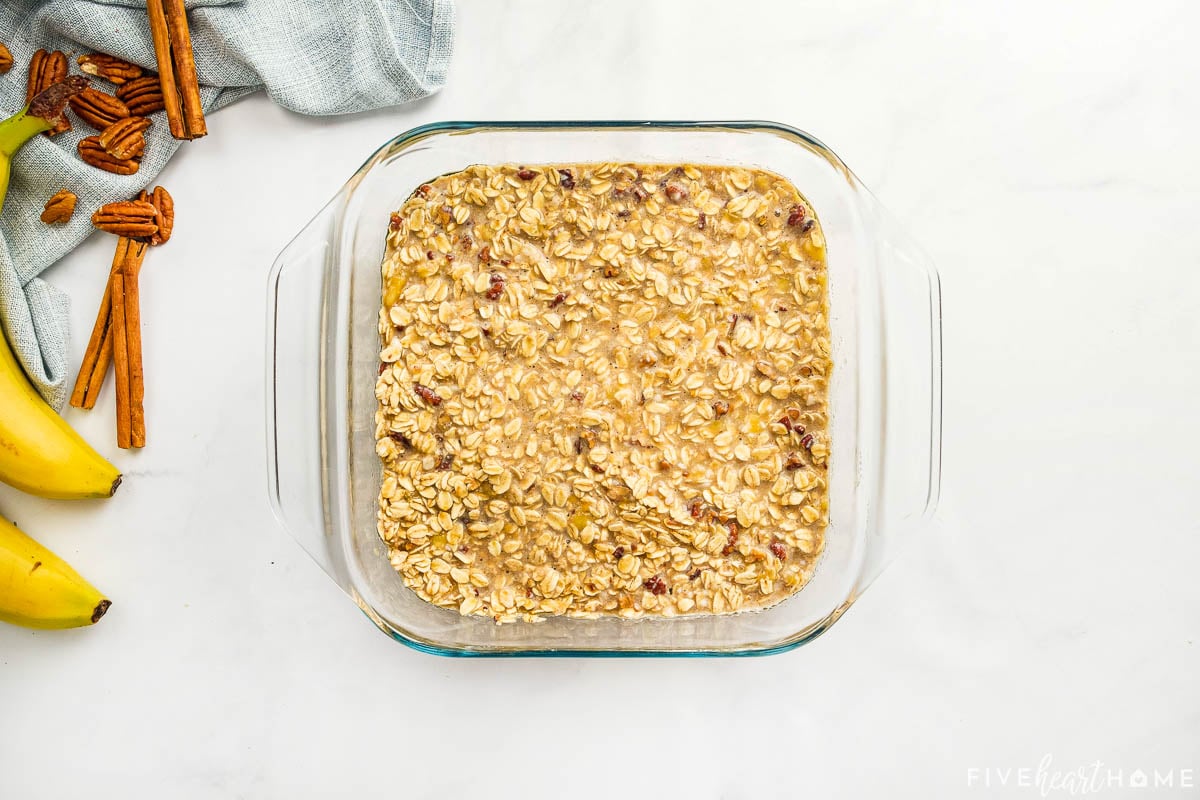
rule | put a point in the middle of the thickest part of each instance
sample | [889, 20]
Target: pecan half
[59, 208]
[164, 207]
[45, 70]
[98, 109]
[111, 68]
[124, 138]
[134, 219]
[92, 152]
[143, 95]
[6, 59]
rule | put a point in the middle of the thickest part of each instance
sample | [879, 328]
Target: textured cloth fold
[312, 56]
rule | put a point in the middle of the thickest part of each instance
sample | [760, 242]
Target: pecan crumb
[586, 441]
[793, 462]
[526, 174]
[496, 286]
[618, 552]
[656, 585]
[796, 217]
[427, 394]
[732, 526]
[779, 551]
[577, 396]
[558, 299]
[808, 226]
[424, 190]
[807, 441]
[396, 222]
[400, 439]
[676, 193]
[485, 254]
[445, 461]
[429, 255]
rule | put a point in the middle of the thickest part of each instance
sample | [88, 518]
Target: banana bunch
[39, 452]
[40, 590]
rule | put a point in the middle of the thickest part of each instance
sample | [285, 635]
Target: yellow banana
[39, 452]
[40, 590]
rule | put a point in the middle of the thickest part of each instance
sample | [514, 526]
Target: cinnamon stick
[176, 68]
[133, 342]
[121, 362]
[84, 395]
[101, 369]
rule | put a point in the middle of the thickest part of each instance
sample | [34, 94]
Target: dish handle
[296, 297]
[911, 464]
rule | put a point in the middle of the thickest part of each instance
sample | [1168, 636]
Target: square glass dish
[323, 356]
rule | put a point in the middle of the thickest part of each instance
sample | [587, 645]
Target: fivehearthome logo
[1095, 778]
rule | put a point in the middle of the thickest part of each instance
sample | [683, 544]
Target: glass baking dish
[323, 356]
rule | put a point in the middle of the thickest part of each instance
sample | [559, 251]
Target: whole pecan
[59, 208]
[45, 70]
[124, 138]
[92, 152]
[98, 109]
[142, 95]
[111, 68]
[134, 219]
[164, 207]
[6, 59]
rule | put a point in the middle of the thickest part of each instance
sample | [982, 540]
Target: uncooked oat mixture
[604, 390]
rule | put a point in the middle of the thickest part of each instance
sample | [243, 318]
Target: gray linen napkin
[311, 56]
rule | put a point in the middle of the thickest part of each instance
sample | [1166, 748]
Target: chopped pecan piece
[797, 215]
[731, 545]
[495, 286]
[720, 408]
[779, 551]
[59, 208]
[676, 193]
[428, 395]
[526, 174]
[656, 585]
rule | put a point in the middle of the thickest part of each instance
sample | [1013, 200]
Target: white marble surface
[1045, 154]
